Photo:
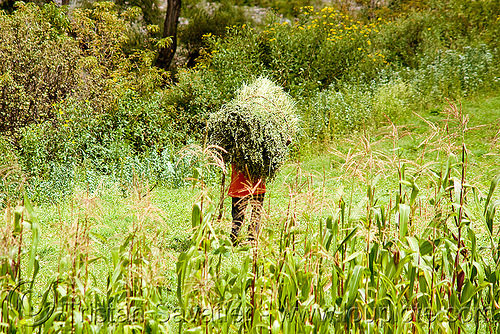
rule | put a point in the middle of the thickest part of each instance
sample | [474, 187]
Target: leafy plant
[38, 65]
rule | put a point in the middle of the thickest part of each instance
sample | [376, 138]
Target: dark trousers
[239, 204]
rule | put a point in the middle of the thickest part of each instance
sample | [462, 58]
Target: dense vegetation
[389, 226]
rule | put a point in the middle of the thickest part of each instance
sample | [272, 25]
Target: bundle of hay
[255, 127]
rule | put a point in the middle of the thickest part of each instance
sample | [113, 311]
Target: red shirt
[242, 186]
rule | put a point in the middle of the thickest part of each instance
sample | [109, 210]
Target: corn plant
[374, 265]
[72, 301]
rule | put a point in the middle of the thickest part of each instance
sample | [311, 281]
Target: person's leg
[238, 207]
[257, 202]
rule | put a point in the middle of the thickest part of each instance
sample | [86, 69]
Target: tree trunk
[166, 54]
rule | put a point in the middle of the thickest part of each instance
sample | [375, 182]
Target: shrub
[402, 40]
[454, 74]
[104, 144]
[46, 57]
[188, 104]
[392, 101]
[142, 123]
[321, 48]
[106, 71]
[150, 9]
[227, 63]
[468, 21]
[207, 18]
[328, 50]
[288, 8]
[70, 93]
[349, 107]
[38, 65]
[332, 112]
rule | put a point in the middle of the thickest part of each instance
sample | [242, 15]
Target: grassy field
[380, 220]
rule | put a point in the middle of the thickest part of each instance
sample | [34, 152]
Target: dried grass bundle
[254, 128]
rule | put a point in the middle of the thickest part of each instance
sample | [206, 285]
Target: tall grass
[393, 262]
[390, 245]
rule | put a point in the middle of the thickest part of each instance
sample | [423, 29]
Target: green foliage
[470, 20]
[225, 67]
[377, 263]
[327, 49]
[207, 18]
[395, 244]
[333, 112]
[38, 65]
[317, 277]
[393, 101]
[456, 74]
[253, 129]
[11, 177]
[418, 234]
[150, 10]
[80, 93]
[404, 39]
[349, 75]
[349, 108]
[141, 123]
[81, 135]
[48, 57]
[132, 139]
[188, 104]
[321, 48]
[73, 97]
[107, 72]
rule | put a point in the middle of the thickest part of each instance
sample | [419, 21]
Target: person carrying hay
[253, 130]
